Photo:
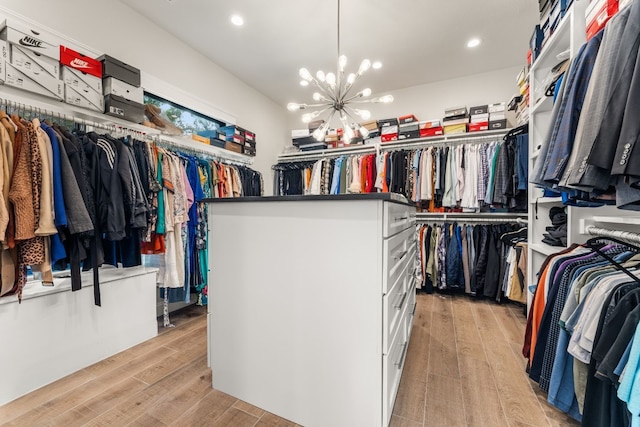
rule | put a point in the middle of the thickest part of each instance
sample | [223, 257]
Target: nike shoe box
[82, 63]
[30, 38]
[40, 70]
[84, 85]
[44, 86]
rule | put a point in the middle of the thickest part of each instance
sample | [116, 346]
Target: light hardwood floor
[463, 368]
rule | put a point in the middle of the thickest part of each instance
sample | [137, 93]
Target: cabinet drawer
[392, 365]
[397, 251]
[411, 307]
[392, 309]
[396, 218]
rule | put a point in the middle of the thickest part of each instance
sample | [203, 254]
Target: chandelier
[335, 98]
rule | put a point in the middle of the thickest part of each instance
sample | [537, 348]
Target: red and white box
[597, 14]
[80, 62]
[431, 131]
[477, 127]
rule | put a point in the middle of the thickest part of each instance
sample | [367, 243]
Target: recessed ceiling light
[475, 42]
[376, 65]
[237, 20]
[304, 83]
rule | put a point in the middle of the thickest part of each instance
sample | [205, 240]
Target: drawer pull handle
[415, 304]
[399, 306]
[400, 218]
[402, 255]
[404, 351]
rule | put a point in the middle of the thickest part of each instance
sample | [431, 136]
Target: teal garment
[160, 224]
[629, 389]
[492, 175]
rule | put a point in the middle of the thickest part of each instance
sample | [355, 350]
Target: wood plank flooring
[463, 368]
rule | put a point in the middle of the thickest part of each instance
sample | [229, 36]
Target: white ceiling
[418, 41]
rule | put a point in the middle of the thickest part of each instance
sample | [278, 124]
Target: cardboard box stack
[479, 118]
[522, 109]
[408, 127]
[455, 120]
[237, 139]
[30, 60]
[389, 129]
[123, 96]
[497, 116]
[82, 78]
[304, 140]
[430, 128]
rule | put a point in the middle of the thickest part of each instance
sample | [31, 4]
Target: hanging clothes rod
[465, 215]
[137, 131]
[394, 146]
[628, 236]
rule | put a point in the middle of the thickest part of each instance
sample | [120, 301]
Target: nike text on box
[80, 62]
[30, 38]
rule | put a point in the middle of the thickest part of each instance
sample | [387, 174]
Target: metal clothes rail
[118, 127]
[628, 236]
[486, 217]
[465, 138]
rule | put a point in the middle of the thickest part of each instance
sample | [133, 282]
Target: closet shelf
[556, 44]
[545, 249]
[69, 112]
[395, 145]
[546, 200]
[543, 105]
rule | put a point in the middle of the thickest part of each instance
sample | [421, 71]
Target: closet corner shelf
[386, 146]
[556, 44]
[545, 104]
[545, 249]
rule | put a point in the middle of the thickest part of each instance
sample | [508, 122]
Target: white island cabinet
[311, 303]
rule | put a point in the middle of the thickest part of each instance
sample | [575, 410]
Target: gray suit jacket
[579, 174]
[624, 66]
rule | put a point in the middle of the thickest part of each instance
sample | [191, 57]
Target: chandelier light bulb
[292, 106]
[305, 74]
[366, 92]
[364, 66]
[387, 99]
[342, 62]
[304, 83]
[376, 65]
[351, 78]
[365, 114]
[320, 75]
[331, 79]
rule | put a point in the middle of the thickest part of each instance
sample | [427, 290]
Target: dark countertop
[391, 197]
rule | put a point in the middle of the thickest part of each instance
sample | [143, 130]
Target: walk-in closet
[319, 214]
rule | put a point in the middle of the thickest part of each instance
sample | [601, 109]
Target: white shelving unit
[569, 36]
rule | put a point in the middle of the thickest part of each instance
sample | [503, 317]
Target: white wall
[114, 28]
[430, 100]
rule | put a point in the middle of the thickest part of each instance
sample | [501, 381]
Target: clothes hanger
[596, 244]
